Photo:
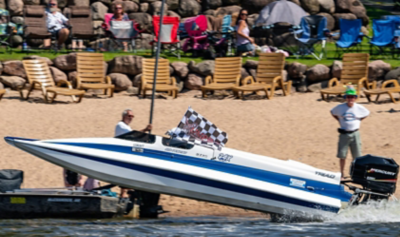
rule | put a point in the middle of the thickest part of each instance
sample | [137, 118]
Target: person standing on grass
[349, 115]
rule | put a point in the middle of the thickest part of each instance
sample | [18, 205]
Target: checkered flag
[196, 129]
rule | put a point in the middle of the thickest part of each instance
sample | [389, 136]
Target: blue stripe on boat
[326, 189]
[206, 182]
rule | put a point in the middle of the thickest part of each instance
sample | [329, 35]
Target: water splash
[372, 212]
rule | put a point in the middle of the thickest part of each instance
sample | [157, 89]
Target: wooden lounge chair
[226, 75]
[165, 82]
[269, 76]
[39, 78]
[2, 92]
[355, 72]
[384, 90]
[90, 67]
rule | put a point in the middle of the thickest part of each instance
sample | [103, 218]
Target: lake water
[377, 219]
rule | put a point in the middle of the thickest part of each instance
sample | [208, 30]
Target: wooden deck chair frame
[90, 73]
[269, 77]
[2, 92]
[165, 82]
[226, 75]
[355, 72]
[384, 90]
[40, 78]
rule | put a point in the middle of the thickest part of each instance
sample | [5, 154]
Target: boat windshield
[138, 137]
[176, 143]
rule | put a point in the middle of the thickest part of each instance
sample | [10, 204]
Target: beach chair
[313, 30]
[226, 75]
[7, 29]
[228, 32]
[355, 72]
[35, 26]
[269, 77]
[81, 22]
[164, 81]
[350, 36]
[197, 41]
[385, 89]
[39, 78]
[90, 69]
[169, 35]
[383, 37]
[2, 92]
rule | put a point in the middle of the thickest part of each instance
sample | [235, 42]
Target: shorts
[243, 48]
[351, 140]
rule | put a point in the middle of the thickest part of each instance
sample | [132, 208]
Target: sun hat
[350, 90]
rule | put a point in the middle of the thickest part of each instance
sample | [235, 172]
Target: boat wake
[372, 212]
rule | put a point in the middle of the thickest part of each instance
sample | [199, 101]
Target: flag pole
[156, 64]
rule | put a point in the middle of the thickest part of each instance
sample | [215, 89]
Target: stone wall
[143, 10]
[125, 72]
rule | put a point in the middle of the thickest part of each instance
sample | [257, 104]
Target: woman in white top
[244, 44]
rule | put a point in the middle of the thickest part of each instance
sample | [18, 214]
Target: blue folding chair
[350, 36]
[383, 36]
[227, 32]
[313, 30]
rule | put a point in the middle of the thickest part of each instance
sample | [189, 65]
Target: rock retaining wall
[125, 72]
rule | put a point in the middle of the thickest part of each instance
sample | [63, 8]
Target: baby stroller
[119, 32]
[197, 41]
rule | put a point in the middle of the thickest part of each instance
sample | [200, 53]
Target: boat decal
[331, 190]
[175, 150]
[201, 155]
[331, 176]
[225, 157]
[204, 181]
[297, 183]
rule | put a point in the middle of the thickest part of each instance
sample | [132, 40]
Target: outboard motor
[377, 176]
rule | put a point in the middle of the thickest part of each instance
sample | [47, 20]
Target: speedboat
[225, 176]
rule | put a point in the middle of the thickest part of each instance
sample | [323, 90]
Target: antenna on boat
[156, 64]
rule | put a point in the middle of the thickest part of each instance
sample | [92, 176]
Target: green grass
[372, 12]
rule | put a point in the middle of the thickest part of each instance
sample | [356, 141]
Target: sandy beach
[297, 127]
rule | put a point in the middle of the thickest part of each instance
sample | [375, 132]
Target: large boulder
[144, 7]
[318, 73]
[47, 60]
[189, 8]
[14, 68]
[181, 69]
[136, 80]
[327, 6]
[173, 14]
[229, 10]
[31, 2]
[204, 68]
[121, 81]
[58, 75]
[66, 62]
[310, 6]
[347, 16]
[353, 6]
[172, 4]
[98, 11]
[255, 6]
[14, 82]
[296, 70]
[330, 20]
[83, 3]
[230, 2]
[144, 20]
[131, 65]
[243, 73]
[72, 77]
[17, 20]
[194, 81]
[251, 19]
[214, 4]
[61, 3]
[97, 26]
[144, 42]
[336, 70]
[155, 8]
[16, 40]
[3, 4]
[393, 74]
[214, 23]
[377, 70]
[130, 7]
[15, 7]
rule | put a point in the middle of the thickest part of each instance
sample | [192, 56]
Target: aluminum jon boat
[226, 176]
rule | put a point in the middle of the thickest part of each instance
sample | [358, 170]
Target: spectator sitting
[72, 179]
[90, 184]
[244, 44]
[120, 15]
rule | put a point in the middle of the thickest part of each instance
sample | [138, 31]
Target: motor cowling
[374, 173]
